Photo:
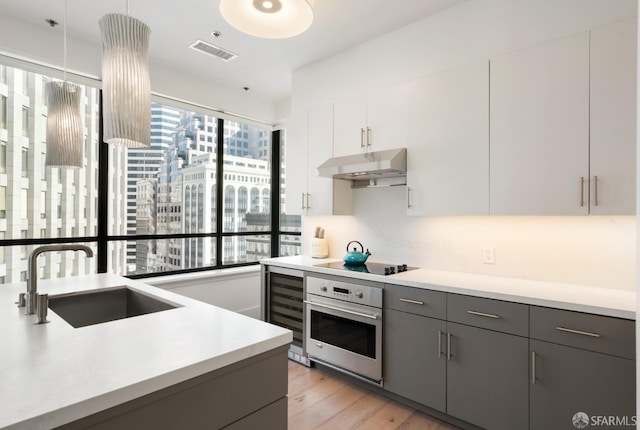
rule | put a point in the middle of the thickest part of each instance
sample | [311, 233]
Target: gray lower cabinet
[508, 366]
[487, 377]
[581, 363]
[567, 380]
[247, 395]
[414, 362]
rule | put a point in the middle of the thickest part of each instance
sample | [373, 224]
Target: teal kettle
[356, 257]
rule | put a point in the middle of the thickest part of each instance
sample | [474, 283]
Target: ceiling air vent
[216, 51]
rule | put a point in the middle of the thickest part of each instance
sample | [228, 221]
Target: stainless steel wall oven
[343, 325]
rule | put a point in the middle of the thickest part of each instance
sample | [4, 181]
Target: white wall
[30, 42]
[594, 251]
[590, 250]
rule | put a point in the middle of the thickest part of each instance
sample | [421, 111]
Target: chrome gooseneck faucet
[30, 298]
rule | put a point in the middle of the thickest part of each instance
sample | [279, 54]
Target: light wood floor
[319, 400]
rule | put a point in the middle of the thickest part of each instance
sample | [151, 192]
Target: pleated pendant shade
[64, 125]
[125, 81]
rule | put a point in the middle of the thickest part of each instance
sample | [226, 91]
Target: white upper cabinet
[325, 196]
[296, 163]
[371, 123]
[387, 118]
[539, 125]
[448, 149]
[309, 144]
[613, 119]
[349, 126]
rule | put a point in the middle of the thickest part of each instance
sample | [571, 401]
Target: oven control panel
[370, 295]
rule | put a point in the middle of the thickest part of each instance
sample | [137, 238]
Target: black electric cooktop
[383, 269]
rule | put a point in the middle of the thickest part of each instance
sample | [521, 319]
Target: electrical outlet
[488, 255]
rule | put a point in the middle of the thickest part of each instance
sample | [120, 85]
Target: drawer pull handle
[414, 302]
[482, 314]
[533, 368]
[583, 333]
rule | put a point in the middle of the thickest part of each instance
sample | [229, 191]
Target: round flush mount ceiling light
[270, 19]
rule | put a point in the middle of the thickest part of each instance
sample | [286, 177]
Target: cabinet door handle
[408, 197]
[308, 199]
[415, 302]
[595, 192]
[448, 346]
[440, 343]
[482, 314]
[533, 367]
[303, 207]
[581, 190]
[583, 333]
[362, 137]
[368, 136]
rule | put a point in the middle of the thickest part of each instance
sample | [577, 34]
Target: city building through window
[199, 197]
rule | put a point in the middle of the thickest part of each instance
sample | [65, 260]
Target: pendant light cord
[64, 32]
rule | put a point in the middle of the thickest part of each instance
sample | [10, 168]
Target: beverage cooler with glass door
[282, 304]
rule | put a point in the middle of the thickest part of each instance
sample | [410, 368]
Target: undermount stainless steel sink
[95, 307]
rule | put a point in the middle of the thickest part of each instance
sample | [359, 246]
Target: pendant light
[64, 122]
[270, 19]
[126, 90]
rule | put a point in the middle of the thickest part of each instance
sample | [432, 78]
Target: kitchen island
[54, 375]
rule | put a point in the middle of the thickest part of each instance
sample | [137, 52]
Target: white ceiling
[263, 65]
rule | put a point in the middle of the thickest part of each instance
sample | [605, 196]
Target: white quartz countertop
[52, 374]
[600, 301]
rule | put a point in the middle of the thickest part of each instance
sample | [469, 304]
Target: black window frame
[102, 239]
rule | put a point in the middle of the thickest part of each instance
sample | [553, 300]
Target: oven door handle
[335, 308]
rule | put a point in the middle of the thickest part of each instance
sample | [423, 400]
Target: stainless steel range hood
[372, 169]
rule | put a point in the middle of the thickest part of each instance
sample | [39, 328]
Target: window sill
[175, 281]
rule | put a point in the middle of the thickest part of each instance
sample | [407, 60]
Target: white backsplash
[588, 250]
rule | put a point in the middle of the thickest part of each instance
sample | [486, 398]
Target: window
[25, 163]
[3, 202]
[25, 121]
[23, 197]
[169, 190]
[187, 191]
